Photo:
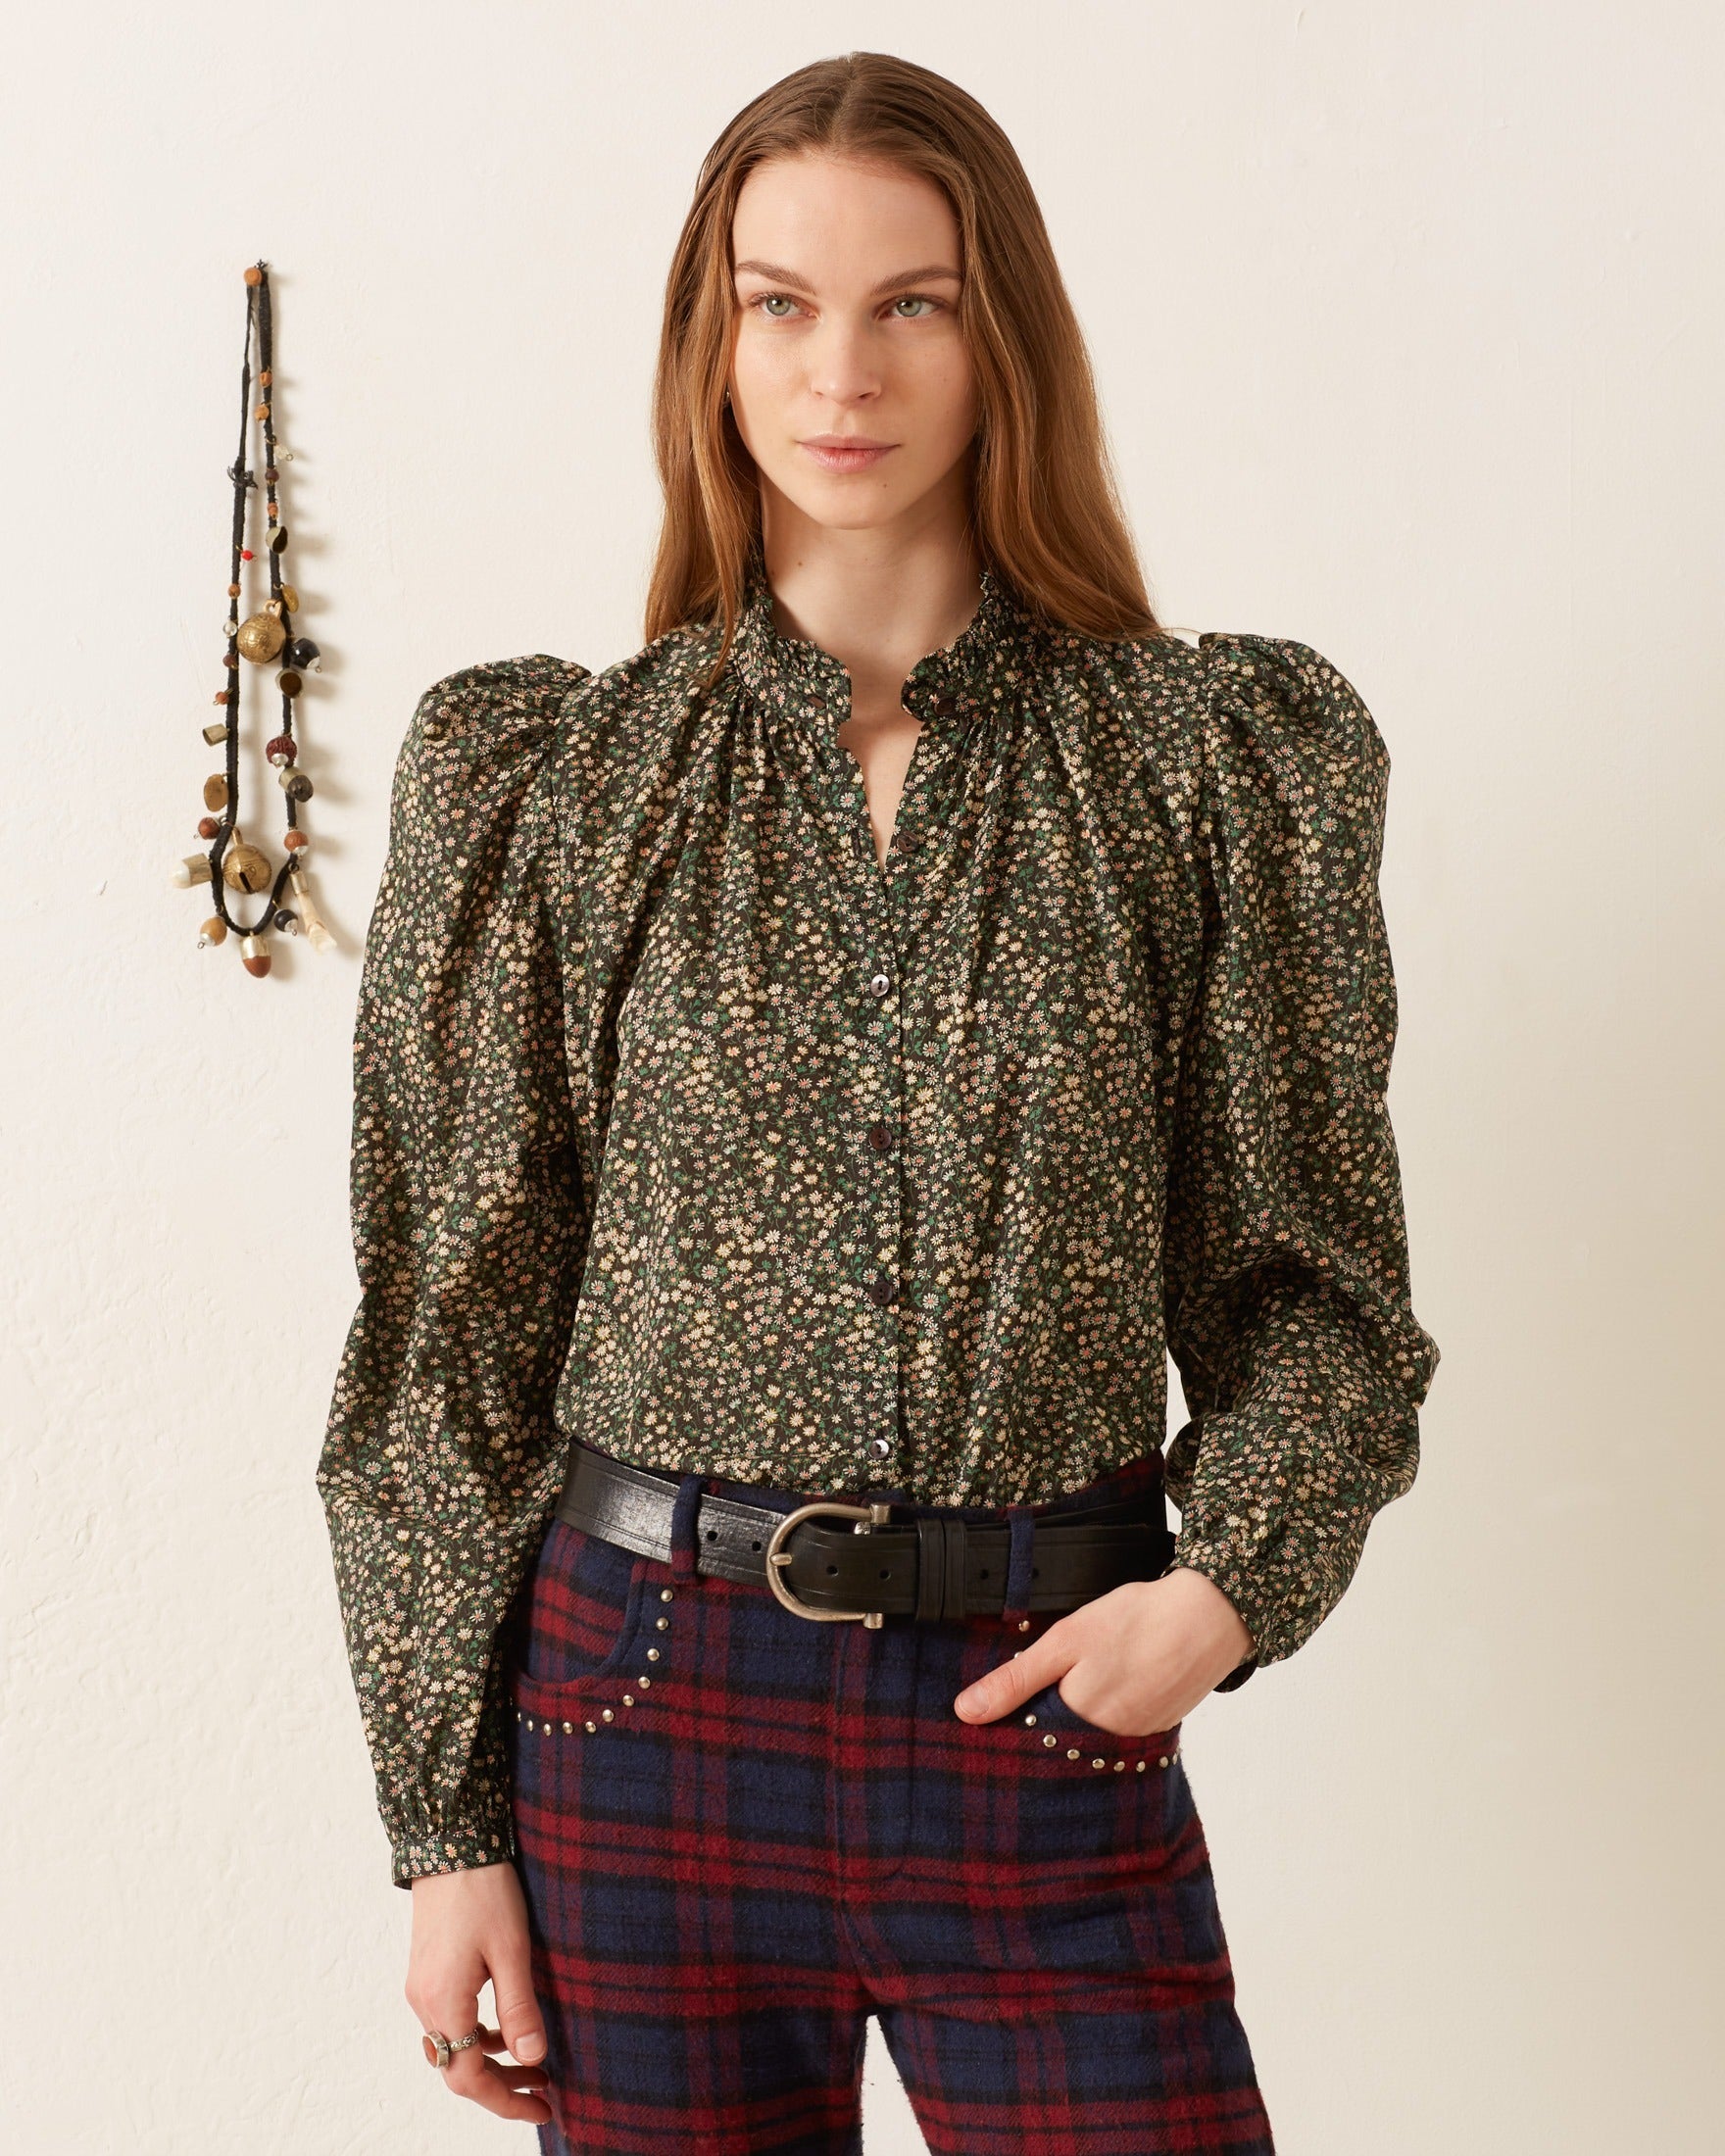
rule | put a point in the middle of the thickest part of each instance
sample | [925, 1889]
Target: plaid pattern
[741, 1833]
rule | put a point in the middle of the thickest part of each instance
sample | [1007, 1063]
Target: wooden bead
[254, 276]
[214, 931]
[234, 591]
[260, 411]
[289, 682]
[294, 840]
[255, 958]
[216, 791]
[208, 827]
[265, 378]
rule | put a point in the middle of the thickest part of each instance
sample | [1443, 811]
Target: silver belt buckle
[876, 1514]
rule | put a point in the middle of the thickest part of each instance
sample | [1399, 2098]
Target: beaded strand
[232, 864]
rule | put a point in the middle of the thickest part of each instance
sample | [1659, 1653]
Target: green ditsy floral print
[683, 1127]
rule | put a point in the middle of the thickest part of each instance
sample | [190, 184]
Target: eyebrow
[780, 275]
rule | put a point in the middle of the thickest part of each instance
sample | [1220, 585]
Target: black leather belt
[933, 1570]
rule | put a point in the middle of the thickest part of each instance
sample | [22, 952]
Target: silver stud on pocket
[605, 1714]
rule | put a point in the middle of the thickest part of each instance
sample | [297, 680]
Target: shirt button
[882, 1289]
[879, 1137]
[945, 706]
[880, 1447]
[879, 985]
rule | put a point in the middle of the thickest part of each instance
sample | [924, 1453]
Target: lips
[837, 458]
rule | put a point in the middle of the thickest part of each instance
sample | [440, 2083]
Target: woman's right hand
[470, 1926]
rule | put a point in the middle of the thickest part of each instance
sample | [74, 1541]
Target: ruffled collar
[950, 689]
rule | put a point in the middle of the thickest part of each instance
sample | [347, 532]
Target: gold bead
[245, 868]
[1099, 1762]
[1072, 1755]
[1024, 1623]
[1051, 1739]
[606, 1715]
[529, 1721]
[643, 1682]
[1141, 1765]
[660, 1624]
[1030, 1720]
[651, 1656]
[518, 1714]
[569, 1728]
[261, 637]
[1119, 1764]
[664, 1594]
[592, 1725]
[1162, 1763]
[629, 1698]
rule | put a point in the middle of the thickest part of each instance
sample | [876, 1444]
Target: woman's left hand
[1139, 1658]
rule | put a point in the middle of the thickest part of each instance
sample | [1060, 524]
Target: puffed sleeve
[439, 1464]
[1286, 1263]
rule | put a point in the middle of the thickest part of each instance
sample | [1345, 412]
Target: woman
[826, 1060]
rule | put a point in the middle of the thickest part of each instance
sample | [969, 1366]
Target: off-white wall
[1409, 327]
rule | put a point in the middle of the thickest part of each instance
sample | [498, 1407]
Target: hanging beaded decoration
[231, 863]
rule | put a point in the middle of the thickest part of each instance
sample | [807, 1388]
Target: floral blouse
[683, 1127]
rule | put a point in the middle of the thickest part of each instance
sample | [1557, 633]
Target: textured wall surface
[1409, 330]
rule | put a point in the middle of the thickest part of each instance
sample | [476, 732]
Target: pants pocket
[1047, 1714]
[582, 1611]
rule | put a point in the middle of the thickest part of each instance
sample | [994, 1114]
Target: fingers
[1003, 1687]
[508, 2091]
[512, 1986]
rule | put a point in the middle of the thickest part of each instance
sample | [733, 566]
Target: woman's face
[847, 283]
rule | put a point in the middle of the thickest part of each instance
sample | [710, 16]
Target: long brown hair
[1046, 510]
